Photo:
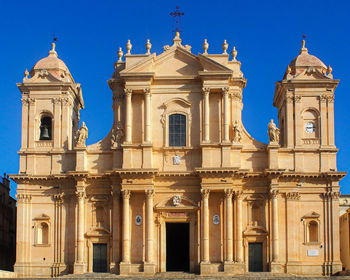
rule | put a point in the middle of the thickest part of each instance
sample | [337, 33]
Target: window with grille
[177, 130]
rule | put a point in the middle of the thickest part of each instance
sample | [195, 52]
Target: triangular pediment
[176, 201]
[210, 65]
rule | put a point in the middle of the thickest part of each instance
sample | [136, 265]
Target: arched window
[45, 128]
[177, 130]
[310, 118]
[313, 231]
[43, 233]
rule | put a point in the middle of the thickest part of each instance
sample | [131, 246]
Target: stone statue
[273, 132]
[237, 132]
[81, 136]
[117, 133]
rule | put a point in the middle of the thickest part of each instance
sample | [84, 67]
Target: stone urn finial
[148, 46]
[234, 53]
[120, 55]
[128, 47]
[224, 47]
[205, 46]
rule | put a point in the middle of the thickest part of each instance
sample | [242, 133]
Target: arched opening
[177, 130]
[43, 234]
[313, 231]
[45, 128]
[310, 118]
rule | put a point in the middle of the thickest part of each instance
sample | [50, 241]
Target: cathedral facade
[178, 184]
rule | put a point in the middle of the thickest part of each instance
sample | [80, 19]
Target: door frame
[97, 243]
[256, 235]
[102, 237]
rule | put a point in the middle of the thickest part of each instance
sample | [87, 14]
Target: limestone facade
[178, 156]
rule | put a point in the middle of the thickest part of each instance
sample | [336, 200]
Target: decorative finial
[26, 73]
[205, 46]
[303, 48]
[128, 47]
[234, 53]
[177, 40]
[224, 47]
[148, 46]
[329, 69]
[120, 55]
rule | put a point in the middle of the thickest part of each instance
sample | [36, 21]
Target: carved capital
[126, 194]
[330, 98]
[228, 193]
[293, 195]
[335, 195]
[297, 99]
[238, 194]
[58, 198]
[128, 92]
[25, 101]
[56, 100]
[205, 193]
[147, 91]
[31, 101]
[323, 98]
[225, 90]
[206, 91]
[65, 101]
[23, 198]
[236, 96]
[274, 193]
[290, 99]
[149, 193]
[81, 194]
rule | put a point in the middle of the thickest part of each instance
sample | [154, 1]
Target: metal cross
[177, 18]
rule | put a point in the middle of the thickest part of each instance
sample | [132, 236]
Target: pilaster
[124, 266]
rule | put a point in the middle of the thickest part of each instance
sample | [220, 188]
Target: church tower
[304, 99]
[51, 101]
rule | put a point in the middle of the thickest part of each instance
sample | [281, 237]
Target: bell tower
[51, 101]
[304, 99]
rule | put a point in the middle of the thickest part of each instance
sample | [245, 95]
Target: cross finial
[177, 14]
[53, 45]
[303, 48]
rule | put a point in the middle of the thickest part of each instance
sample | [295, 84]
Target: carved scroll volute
[205, 193]
[58, 198]
[81, 194]
[274, 193]
[238, 194]
[128, 92]
[126, 194]
[149, 193]
[206, 91]
[228, 193]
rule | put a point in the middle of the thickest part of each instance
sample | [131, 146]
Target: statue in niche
[237, 132]
[81, 136]
[273, 132]
[117, 133]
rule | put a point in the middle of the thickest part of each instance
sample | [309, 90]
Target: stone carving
[216, 219]
[128, 47]
[234, 54]
[126, 194]
[176, 160]
[237, 132]
[117, 134]
[293, 195]
[274, 193]
[81, 136]
[149, 193]
[176, 200]
[273, 132]
[81, 194]
[205, 193]
[138, 220]
[205, 46]
[224, 47]
[148, 47]
[120, 54]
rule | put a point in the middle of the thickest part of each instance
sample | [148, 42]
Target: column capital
[297, 98]
[290, 99]
[149, 193]
[147, 91]
[56, 100]
[293, 195]
[128, 92]
[274, 193]
[225, 90]
[58, 198]
[206, 90]
[25, 101]
[80, 193]
[238, 194]
[126, 194]
[205, 193]
[228, 193]
[330, 98]
[23, 198]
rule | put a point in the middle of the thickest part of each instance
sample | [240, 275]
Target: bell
[44, 133]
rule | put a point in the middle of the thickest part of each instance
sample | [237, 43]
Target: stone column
[32, 123]
[226, 134]
[206, 129]
[229, 223]
[79, 266]
[205, 223]
[275, 248]
[116, 228]
[128, 115]
[149, 266]
[148, 96]
[56, 126]
[126, 227]
[239, 245]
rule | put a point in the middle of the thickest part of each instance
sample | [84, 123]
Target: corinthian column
[239, 245]
[126, 227]
[226, 136]
[148, 96]
[229, 243]
[79, 266]
[205, 223]
[274, 194]
[149, 225]
[128, 115]
[206, 92]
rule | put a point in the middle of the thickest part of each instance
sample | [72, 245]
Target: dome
[53, 65]
[305, 60]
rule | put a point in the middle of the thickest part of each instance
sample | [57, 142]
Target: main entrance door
[100, 258]
[255, 257]
[177, 246]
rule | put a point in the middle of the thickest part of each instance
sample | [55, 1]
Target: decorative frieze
[23, 198]
[293, 195]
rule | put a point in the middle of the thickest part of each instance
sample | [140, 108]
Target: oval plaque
[138, 220]
[216, 219]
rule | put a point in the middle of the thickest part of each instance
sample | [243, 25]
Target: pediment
[210, 65]
[311, 215]
[255, 230]
[42, 217]
[97, 231]
[168, 203]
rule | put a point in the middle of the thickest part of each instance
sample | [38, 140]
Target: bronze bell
[44, 133]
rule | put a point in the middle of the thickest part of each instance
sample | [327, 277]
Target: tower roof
[53, 65]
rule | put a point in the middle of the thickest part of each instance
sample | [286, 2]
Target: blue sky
[267, 35]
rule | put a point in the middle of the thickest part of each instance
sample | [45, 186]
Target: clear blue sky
[267, 35]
